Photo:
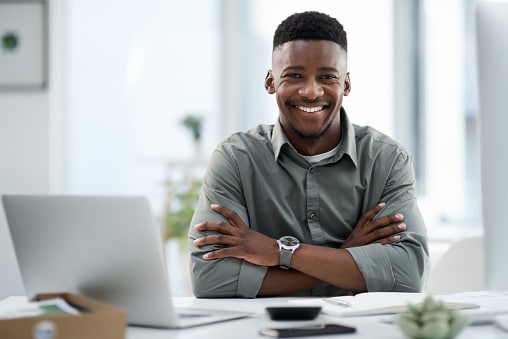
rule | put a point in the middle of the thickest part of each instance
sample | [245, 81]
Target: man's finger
[367, 216]
[389, 240]
[219, 226]
[385, 232]
[219, 254]
[233, 218]
[219, 239]
[384, 221]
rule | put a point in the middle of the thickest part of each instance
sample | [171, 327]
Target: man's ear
[269, 82]
[347, 85]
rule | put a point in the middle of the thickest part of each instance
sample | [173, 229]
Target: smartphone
[292, 332]
[293, 313]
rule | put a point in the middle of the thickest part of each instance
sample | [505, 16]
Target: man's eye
[329, 77]
[293, 75]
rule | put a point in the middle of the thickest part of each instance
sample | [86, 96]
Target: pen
[337, 302]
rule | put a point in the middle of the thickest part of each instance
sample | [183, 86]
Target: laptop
[104, 247]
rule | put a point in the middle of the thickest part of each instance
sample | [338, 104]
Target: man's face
[309, 80]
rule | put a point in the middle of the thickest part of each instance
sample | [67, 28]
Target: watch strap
[285, 258]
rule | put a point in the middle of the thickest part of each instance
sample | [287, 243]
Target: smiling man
[312, 205]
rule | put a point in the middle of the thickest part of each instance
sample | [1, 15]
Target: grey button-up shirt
[275, 191]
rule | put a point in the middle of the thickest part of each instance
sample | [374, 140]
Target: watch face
[289, 241]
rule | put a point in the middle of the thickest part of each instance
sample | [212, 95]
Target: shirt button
[313, 216]
[312, 170]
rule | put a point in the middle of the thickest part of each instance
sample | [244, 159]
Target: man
[312, 205]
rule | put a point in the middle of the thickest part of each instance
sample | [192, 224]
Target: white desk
[367, 327]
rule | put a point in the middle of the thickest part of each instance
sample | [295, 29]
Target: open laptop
[103, 247]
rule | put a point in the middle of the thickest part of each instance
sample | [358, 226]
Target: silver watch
[287, 246]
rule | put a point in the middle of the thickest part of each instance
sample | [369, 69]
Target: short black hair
[310, 25]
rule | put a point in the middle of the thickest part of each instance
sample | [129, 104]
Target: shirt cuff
[375, 266]
[250, 279]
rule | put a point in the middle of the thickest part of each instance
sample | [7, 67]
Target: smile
[310, 109]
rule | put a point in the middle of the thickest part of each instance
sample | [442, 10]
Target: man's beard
[312, 135]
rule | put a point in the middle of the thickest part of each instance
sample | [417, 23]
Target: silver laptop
[103, 247]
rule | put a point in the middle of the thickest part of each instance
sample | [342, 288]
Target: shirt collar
[279, 139]
[348, 139]
[348, 144]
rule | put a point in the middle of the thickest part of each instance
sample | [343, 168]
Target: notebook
[103, 247]
[375, 303]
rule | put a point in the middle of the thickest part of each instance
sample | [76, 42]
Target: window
[135, 73]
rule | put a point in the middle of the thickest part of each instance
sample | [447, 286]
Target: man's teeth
[310, 109]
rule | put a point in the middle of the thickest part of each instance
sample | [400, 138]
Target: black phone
[293, 313]
[290, 332]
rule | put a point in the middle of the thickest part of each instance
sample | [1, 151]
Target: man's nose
[311, 90]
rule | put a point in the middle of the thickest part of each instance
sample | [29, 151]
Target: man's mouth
[310, 109]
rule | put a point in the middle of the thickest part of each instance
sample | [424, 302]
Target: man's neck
[310, 146]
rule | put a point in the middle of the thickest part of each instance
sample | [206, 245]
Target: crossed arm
[312, 264]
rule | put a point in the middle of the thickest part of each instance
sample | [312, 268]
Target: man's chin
[311, 135]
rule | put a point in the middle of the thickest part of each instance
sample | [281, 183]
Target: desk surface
[367, 327]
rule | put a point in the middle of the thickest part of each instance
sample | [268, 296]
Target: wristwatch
[287, 246]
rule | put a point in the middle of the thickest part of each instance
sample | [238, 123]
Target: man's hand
[240, 241]
[383, 230]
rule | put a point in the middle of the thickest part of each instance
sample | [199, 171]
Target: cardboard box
[97, 320]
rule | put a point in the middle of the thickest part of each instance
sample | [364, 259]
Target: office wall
[30, 144]
[24, 165]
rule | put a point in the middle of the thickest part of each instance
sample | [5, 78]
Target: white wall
[29, 156]
[24, 165]
[444, 111]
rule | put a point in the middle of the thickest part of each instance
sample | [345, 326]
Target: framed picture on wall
[22, 44]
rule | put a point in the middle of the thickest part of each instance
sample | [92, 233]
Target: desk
[367, 327]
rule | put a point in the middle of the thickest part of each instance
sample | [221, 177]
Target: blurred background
[136, 95]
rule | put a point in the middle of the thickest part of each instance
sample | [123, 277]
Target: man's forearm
[278, 282]
[313, 265]
[333, 266]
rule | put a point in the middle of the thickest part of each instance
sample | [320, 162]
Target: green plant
[182, 195]
[195, 124]
[10, 41]
[182, 200]
[430, 320]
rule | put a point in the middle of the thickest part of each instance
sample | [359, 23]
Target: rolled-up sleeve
[400, 266]
[228, 277]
